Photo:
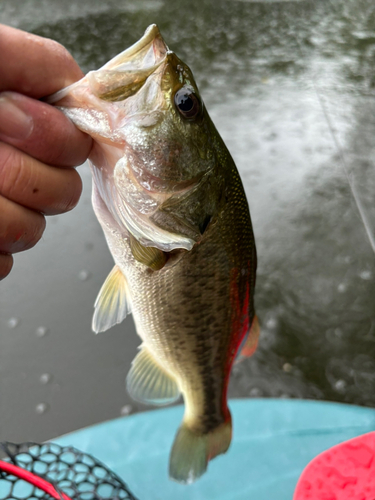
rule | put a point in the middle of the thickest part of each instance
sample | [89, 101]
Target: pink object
[344, 472]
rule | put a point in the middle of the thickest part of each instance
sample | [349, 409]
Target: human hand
[38, 144]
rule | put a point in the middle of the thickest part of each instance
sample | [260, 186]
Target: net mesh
[79, 475]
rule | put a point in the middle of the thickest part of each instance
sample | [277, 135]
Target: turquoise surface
[273, 440]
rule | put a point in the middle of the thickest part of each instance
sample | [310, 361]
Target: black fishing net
[71, 473]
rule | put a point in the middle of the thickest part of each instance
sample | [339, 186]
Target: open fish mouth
[126, 73]
[148, 51]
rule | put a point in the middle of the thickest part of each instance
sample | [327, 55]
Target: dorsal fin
[148, 382]
[112, 304]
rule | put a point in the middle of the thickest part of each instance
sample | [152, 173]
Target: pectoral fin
[151, 257]
[250, 343]
[112, 304]
[147, 382]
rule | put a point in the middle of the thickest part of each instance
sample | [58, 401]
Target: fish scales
[174, 212]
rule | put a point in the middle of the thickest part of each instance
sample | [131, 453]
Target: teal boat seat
[273, 441]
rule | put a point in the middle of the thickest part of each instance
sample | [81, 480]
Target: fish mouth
[126, 73]
[150, 50]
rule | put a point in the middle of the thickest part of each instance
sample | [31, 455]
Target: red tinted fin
[250, 343]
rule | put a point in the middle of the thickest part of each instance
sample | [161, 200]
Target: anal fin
[149, 383]
[112, 304]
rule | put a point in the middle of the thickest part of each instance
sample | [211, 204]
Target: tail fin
[191, 452]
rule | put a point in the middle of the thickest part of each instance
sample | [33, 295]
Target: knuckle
[10, 169]
[14, 180]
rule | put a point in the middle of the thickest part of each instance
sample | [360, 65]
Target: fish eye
[187, 103]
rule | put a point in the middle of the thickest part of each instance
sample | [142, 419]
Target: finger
[42, 131]
[33, 184]
[20, 228]
[6, 264]
[33, 65]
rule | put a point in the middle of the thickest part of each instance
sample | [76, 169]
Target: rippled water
[291, 87]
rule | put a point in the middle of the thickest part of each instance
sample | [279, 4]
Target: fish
[174, 212]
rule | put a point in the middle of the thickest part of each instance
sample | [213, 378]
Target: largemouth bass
[173, 210]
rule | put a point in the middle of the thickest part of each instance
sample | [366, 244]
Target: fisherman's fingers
[38, 143]
[35, 185]
[20, 229]
[33, 65]
[6, 264]
[41, 131]
[29, 188]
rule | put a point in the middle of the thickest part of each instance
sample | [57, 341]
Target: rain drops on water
[83, 275]
[41, 331]
[41, 408]
[338, 333]
[13, 322]
[365, 275]
[126, 410]
[255, 392]
[271, 322]
[287, 367]
[340, 385]
[334, 335]
[45, 378]
[236, 370]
